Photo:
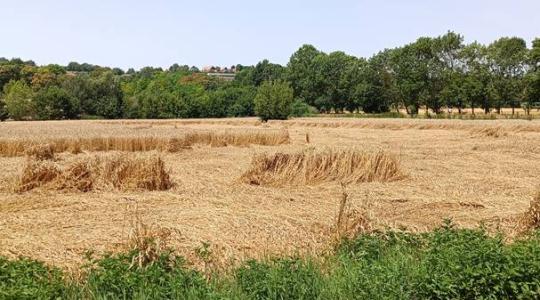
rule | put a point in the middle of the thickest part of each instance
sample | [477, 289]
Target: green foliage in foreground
[444, 264]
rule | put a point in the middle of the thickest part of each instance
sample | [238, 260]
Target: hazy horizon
[136, 33]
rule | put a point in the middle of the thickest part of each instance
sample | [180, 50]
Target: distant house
[224, 76]
[226, 73]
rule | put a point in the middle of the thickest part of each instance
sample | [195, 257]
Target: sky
[136, 33]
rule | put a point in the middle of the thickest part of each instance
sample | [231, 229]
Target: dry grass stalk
[530, 220]
[349, 222]
[313, 167]
[17, 147]
[41, 152]
[112, 172]
[307, 138]
[148, 242]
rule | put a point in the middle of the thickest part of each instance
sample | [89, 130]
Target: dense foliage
[274, 100]
[447, 263]
[438, 73]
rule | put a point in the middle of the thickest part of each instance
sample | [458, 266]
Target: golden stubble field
[474, 172]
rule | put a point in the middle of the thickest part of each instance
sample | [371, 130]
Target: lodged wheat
[312, 167]
[21, 146]
[117, 171]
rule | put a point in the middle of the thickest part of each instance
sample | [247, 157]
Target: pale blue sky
[159, 33]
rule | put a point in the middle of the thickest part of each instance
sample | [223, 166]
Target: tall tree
[449, 60]
[507, 60]
[377, 90]
[301, 74]
[477, 77]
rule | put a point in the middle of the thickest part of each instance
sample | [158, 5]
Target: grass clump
[312, 167]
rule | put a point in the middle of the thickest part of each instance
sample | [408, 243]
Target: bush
[447, 263]
[54, 103]
[468, 264]
[273, 100]
[18, 100]
[116, 277]
[29, 279]
[280, 279]
[299, 108]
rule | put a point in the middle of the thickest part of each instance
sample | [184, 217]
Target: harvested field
[451, 172]
[418, 124]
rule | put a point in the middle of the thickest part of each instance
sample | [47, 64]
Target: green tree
[9, 71]
[54, 103]
[534, 55]
[448, 60]
[532, 78]
[507, 59]
[410, 77]
[263, 71]
[301, 74]
[273, 100]
[19, 100]
[3, 111]
[378, 92]
[477, 76]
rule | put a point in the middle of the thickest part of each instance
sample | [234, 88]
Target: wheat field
[252, 189]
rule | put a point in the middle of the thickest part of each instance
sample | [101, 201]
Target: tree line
[435, 73]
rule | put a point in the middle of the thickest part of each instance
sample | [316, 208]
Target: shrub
[447, 263]
[116, 277]
[273, 100]
[299, 108]
[54, 103]
[375, 266]
[29, 279]
[18, 100]
[280, 279]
